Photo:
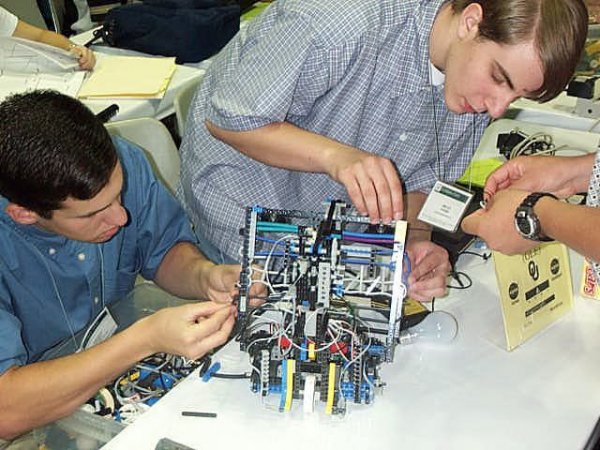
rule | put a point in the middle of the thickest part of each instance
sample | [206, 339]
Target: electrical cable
[458, 276]
[484, 256]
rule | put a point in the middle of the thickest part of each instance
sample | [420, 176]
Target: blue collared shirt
[356, 71]
[51, 285]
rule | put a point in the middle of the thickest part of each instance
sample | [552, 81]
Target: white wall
[26, 10]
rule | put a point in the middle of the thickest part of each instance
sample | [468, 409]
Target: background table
[159, 109]
[133, 108]
[559, 112]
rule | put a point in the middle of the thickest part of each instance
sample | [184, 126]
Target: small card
[445, 206]
[103, 327]
[589, 285]
[535, 290]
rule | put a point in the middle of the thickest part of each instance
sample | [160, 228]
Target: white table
[559, 112]
[472, 394]
[130, 109]
[575, 140]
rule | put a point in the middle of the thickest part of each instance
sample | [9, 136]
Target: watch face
[526, 224]
[526, 221]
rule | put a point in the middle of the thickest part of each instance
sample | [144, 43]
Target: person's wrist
[585, 165]
[543, 210]
[205, 267]
[420, 232]
[140, 338]
[332, 159]
[325, 161]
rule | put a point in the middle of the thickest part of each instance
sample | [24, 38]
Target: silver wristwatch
[527, 222]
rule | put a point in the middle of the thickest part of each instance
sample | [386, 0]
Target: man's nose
[118, 215]
[498, 104]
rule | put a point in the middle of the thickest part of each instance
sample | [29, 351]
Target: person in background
[532, 188]
[10, 25]
[370, 102]
[594, 10]
[81, 216]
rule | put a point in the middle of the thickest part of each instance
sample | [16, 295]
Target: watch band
[533, 198]
[527, 222]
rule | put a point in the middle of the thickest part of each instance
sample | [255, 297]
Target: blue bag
[190, 30]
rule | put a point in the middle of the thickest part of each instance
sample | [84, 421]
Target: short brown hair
[558, 27]
[52, 147]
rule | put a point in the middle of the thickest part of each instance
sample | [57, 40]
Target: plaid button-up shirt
[356, 71]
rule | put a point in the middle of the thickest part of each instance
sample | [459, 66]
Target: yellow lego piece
[311, 351]
[330, 389]
[291, 370]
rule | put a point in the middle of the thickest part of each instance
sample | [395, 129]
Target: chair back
[183, 100]
[154, 138]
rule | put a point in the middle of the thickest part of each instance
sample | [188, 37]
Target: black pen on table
[108, 113]
[593, 442]
[198, 414]
[170, 444]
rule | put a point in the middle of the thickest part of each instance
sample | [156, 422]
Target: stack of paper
[24, 56]
[129, 77]
[27, 65]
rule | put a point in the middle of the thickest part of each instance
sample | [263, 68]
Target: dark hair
[558, 27]
[51, 147]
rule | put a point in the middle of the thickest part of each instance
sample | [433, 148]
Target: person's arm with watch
[574, 225]
[523, 210]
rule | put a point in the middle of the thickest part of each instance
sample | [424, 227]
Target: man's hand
[372, 182]
[221, 285]
[189, 330]
[41, 392]
[495, 224]
[85, 56]
[561, 176]
[221, 281]
[429, 270]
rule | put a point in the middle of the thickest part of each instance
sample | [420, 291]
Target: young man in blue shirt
[81, 216]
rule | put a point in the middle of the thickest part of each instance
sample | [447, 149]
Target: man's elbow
[235, 139]
[14, 423]
[214, 130]
[14, 419]
[10, 426]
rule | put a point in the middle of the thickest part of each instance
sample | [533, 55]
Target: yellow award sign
[535, 290]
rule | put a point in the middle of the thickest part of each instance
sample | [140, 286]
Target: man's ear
[469, 21]
[21, 215]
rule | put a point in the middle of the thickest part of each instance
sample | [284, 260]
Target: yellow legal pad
[129, 77]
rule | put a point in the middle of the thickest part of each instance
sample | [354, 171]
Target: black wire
[461, 284]
[441, 175]
[206, 363]
[231, 376]
[484, 256]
